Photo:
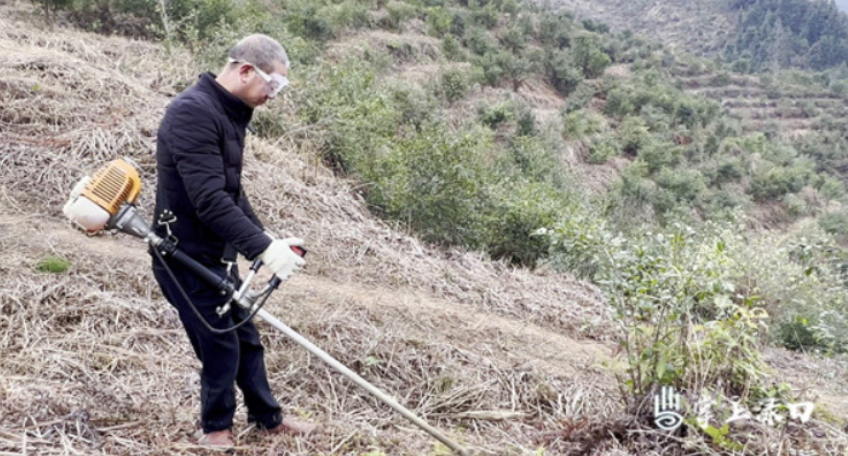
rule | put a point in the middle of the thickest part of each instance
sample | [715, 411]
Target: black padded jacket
[199, 151]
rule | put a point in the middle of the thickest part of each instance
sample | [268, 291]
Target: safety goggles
[274, 80]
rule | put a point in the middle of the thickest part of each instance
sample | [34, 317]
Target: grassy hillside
[482, 154]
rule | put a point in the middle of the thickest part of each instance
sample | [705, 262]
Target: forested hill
[763, 33]
[795, 33]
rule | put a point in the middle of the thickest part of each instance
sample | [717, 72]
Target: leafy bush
[452, 48]
[579, 97]
[494, 116]
[835, 224]
[455, 84]
[438, 21]
[563, 74]
[630, 202]
[554, 30]
[685, 185]
[633, 134]
[525, 121]
[727, 169]
[604, 149]
[773, 181]
[398, 13]
[804, 277]
[519, 209]
[583, 123]
[435, 182]
[485, 16]
[479, 41]
[683, 321]
[513, 39]
[657, 155]
[590, 58]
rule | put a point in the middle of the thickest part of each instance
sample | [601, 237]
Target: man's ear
[244, 72]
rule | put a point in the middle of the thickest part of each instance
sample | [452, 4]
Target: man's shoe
[292, 427]
[219, 439]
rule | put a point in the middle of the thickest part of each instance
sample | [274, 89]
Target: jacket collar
[235, 108]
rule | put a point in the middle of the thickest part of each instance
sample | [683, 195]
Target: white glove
[281, 259]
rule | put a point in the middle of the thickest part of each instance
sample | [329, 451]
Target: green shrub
[347, 14]
[533, 159]
[554, 30]
[831, 188]
[435, 181]
[525, 121]
[458, 21]
[685, 185]
[303, 20]
[835, 224]
[683, 321]
[581, 95]
[519, 209]
[583, 123]
[494, 116]
[657, 155]
[452, 48]
[563, 74]
[494, 66]
[795, 205]
[479, 41]
[633, 134]
[455, 84]
[595, 26]
[398, 13]
[485, 16]
[53, 6]
[723, 205]
[604, 149]
[438, 21]
[802, 279]
[590, 58]
[773, 181]
[796, 333]
[629, 203]
[513, 39]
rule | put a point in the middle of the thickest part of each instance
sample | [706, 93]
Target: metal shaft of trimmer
[353, 376]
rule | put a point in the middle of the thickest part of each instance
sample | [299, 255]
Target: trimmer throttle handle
[275, 281]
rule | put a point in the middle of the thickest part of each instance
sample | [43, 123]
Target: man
[201, 204]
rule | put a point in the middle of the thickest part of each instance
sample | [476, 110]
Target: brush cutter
[106, 201]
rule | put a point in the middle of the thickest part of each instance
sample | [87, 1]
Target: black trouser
[234, 357]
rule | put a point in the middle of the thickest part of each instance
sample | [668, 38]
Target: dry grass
[95, 362]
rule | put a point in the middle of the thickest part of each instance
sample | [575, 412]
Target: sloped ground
[95, 362]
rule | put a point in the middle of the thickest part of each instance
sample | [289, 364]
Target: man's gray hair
[260, 50]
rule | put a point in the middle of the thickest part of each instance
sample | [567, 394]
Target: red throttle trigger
[300, 251]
